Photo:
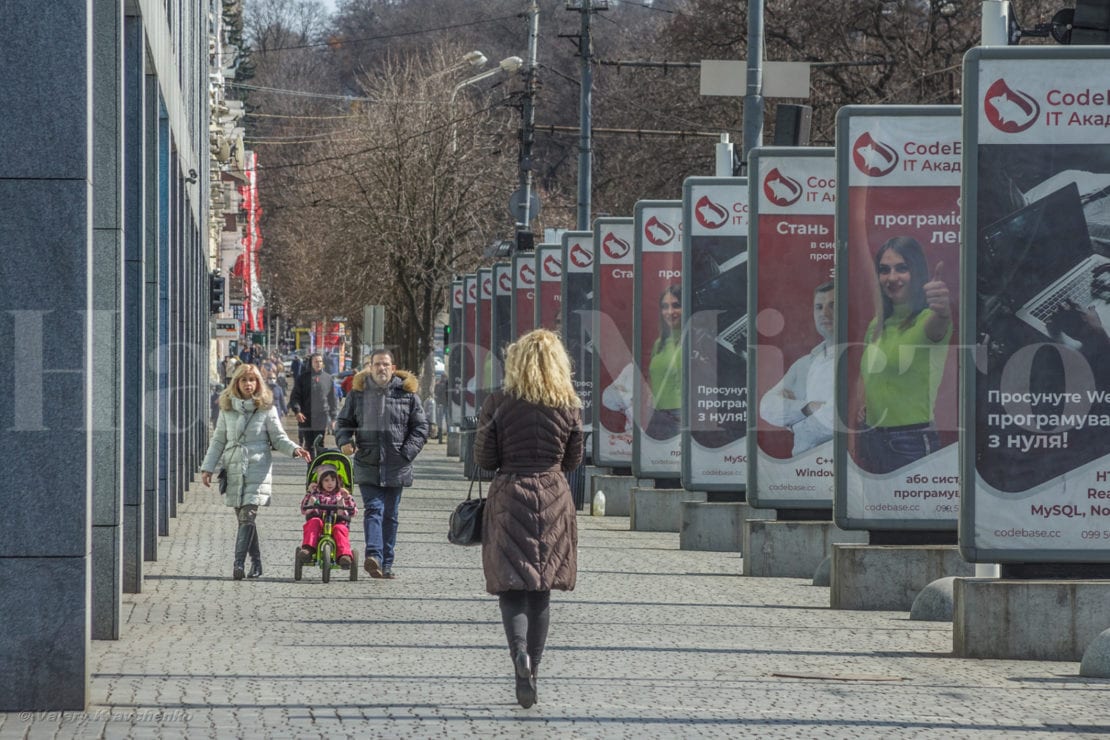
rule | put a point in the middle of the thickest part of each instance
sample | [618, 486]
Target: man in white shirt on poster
[803, 400]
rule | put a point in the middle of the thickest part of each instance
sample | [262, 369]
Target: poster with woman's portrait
[657, 340]
[898, 262]
[1037, 448]
[791, 294]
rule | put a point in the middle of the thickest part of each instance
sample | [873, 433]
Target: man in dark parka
[383, 426]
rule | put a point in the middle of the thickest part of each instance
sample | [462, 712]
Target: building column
[46, 313]
[152, 355]
[134, 306]
[107, 297]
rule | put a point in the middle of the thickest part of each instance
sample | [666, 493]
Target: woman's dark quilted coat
[529, 530]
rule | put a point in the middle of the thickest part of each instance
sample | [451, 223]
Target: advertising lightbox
[502, 318]
[792, 352]
[1036, 369]
[549, 298]
[577, 307]
[524, 294]
[612, 333]
[897, 266]
[483, 357]
[715, 344]
[657, 340]
[455, 352]
[470, 345]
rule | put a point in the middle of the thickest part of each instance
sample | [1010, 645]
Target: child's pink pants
[314, 527]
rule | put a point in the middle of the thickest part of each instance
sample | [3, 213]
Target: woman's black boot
[525, 683]
[242, 543]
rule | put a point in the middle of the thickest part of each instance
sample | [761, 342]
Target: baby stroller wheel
[354, 566]
[298, 567]
[325, 561]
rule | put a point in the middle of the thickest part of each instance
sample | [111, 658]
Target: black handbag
[465, 527]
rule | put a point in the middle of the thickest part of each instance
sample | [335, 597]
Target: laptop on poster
[1044, 254]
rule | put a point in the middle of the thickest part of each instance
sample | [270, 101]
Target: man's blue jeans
[379, 520]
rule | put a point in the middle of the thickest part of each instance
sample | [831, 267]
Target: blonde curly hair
[263, 397]
[537, 370]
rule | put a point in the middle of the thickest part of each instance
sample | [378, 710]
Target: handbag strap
[470, 490]
[244, 432]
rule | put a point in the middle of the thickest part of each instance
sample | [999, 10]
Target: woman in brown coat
[531, 434]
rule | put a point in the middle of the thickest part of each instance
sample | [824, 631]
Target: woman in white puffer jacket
[247, 429]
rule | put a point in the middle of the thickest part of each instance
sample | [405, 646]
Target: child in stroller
[328, 508]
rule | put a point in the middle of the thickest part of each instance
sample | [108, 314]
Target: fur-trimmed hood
[409, 382]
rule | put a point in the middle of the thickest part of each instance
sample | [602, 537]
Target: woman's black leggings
[526, 616]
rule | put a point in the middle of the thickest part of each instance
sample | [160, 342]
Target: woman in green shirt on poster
[904, 358]
[665, 368]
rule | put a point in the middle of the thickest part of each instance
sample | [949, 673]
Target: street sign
[225, 328]
[516, 206]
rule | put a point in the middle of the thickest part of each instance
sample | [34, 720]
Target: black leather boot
[242, 543]
[525, 684]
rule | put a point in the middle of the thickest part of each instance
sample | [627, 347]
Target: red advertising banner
[791, 294]
[612, 331]
[898, 201]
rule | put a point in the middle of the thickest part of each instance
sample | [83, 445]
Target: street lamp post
[508, 64]
[473, 58]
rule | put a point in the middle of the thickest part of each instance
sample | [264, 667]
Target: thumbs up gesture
[936, 293]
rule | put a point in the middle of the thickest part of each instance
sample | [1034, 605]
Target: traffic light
[446, 338]
[215, 293]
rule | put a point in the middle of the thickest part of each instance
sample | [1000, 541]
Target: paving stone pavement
[655, 642]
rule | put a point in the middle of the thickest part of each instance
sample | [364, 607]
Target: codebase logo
[781, 189]
[658, 232]
[527, 274]
[872, 157]
[1008, 110]
[580, 256]
[552, 266]
[614, 246]
[709, 214]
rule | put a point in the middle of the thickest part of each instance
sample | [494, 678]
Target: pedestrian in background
[530, 432]
[313, 401]
[246, 430]
[382, 425]
[276, 390]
